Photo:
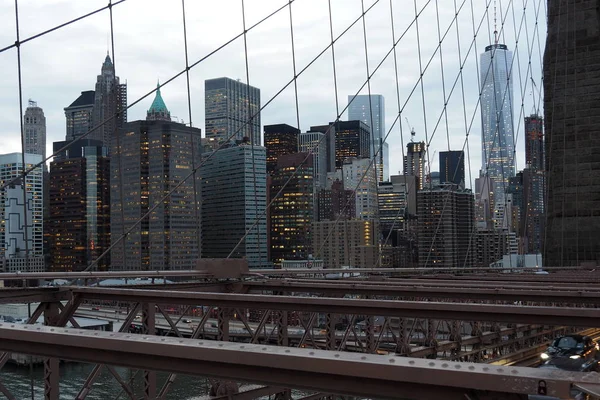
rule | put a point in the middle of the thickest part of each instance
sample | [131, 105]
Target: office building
[534, 143]
[329, 132]
[351, 243]
[370, 109]
[79, 220]
[280, 139]
[359, 177]
[34, 126]
[491, 245]
[445, 228]
[498, 145]
[154, 160]
[452, 168]
[110, 104]
[21, 214]
[315, 143]
[484, 203]
[234, 201]
[336, 202]
[231, 110]
[102, 111]
[414, 162]
[397, 202]
[352, 140]
[79, 116]
[292, 210]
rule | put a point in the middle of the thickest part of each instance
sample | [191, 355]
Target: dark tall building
[446, 219]
[104, 108]
[414, 162]
[231, 110]
[110, 104]
[280, 139]
[452, 167]
[571, 99]
[534, 142]
[80, 115]
[234, 204]
[534, 182]
[292, 211]
[153, 159]
[352, 139]
[79, 220]
[336, 202]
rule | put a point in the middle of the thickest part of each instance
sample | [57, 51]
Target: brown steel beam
[102, 274]
[32, 295]
[503, 294]
[331, 372]
[585, 317]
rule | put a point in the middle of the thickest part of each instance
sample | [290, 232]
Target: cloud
[149, 45]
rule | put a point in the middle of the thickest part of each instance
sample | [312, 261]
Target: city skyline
[316, 95]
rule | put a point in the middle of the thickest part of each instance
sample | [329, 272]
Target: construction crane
[412, 130]
[534, 86]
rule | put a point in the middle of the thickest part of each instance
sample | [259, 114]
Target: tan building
[346, 243]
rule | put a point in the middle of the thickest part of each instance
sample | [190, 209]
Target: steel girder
[331, 372]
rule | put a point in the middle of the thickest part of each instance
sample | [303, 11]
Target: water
[73, 376]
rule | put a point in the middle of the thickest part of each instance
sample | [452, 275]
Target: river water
[73, 376]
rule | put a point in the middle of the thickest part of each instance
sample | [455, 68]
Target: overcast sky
[149, 45]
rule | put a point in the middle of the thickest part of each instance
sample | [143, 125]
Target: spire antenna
[495, 25]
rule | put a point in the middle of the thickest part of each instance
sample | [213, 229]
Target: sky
[149, 46]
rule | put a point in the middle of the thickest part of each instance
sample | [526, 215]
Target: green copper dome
[158, 105]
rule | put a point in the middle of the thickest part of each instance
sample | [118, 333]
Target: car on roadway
[571, 346]
[569, 364]
[186, 321]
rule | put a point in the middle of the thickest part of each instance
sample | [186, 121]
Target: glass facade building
[151, 160]
[234, 201]
[452, 167]
[79, 220]
[315, 142]
[352, 139]
[371, 111]
[292, 212]
[280, 139]
[232, 110]
[497, 144]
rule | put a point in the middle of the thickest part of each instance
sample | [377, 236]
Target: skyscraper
[534, 142]
[280, 139]
[534, 182]
[21, 221]
[452, 167]
[110, 103]
[414, 162]
[104, 108]
[315, 142]
[231, 110]
[154, 159]
[234, 197]
[371, 111]
[80, 115]
[79, 221]
[352, 139]
[329, 132]
[292, 212]
[497, 144]
[445, 227]
[34, 125]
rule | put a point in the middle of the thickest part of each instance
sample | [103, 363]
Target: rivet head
[514, 371]
[363, 358]
[411, 362]
[392, 360]
[444, 365]
[457, 366]
[312, 353]
[336, 355]
[432, 364]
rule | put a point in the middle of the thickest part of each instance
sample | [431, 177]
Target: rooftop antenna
[495, 25]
